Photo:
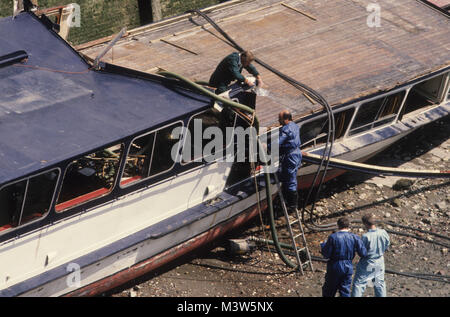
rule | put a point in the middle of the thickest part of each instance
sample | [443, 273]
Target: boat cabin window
[424, 94]
[150, 155]
[209, 133]
[315, 132]
[377, 112]
[89, 177]
[27, 200]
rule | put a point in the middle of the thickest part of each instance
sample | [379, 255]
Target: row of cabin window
[370, 115]
[94, 175]
[376, 112]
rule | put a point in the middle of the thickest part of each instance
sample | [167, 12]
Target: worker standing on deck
[230, 69]
[340, 249]
[371, 267]
[290, 157]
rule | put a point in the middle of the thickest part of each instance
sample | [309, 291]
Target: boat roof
[326, 45]
[440, 3]
[53, 108]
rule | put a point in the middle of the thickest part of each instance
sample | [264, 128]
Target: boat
[90, 194]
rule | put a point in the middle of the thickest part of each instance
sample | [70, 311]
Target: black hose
[417, 229]
[422, 276]
[315, 96]
[325, 155]
[418, 238]
[230, 103]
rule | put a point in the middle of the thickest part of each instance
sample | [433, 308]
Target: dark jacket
[228, 70]
[340, 248]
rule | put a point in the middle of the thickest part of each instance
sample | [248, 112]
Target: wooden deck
[325, 44]
[441, 3]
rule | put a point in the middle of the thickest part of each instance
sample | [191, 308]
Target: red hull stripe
[153, 263]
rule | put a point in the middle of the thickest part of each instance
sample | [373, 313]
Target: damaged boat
[90, 193]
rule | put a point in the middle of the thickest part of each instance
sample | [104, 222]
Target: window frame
[52, 200]
[312, 143]
[441, 90]
[392, 117]
[72, 161]
[151, 158]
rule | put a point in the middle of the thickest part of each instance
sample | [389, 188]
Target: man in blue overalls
[340, 249]
[290, 157]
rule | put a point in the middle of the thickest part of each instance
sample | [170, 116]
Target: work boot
[292, 201]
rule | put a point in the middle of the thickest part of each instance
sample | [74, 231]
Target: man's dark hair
[248, 56]
[368, 220]
[287, 116]
[343, 223]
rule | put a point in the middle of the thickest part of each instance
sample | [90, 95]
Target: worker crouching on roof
[290, 157]
[230, 68]
[340, 249]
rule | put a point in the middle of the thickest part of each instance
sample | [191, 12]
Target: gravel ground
[420, 203]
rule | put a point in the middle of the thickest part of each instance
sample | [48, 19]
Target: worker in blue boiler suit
[340, 249]
[290, 157]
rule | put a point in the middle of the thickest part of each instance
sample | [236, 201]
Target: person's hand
[259, 82]
[249, 82]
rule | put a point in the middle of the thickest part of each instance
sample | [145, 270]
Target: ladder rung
[297, 235]
[293, 222]
[305, 263]
[300, 249]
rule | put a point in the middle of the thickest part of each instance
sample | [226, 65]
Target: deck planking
[337, 54]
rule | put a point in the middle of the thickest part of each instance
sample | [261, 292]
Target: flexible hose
[273, 230]
[278, 245]
[330, 135]
[422, 276]
[325, 155]
[233, 104]
[209, 93]
[315, 96]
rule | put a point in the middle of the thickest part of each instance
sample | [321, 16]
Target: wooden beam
[178, 46]
[299, 11]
